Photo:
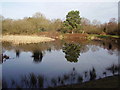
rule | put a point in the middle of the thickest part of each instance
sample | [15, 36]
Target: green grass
[106, 36]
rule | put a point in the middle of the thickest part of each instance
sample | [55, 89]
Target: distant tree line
[95, 27]
[30, 25]
[73, 24]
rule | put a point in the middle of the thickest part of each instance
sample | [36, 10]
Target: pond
[57, 63]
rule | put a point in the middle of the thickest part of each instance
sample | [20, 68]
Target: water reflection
[0, 58]
[72, 52]
[103, 52]
[113, 69]
[5, 58]
[18, 53]
[93, 74]
[40, 81]
[37, 56]
[109, 44]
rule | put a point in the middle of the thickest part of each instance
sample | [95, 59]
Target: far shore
[25, 39]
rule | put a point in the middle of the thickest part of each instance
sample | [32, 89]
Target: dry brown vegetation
[95, 27]
[22, 39]
[38, 23]
[30, 25]
[51, 34]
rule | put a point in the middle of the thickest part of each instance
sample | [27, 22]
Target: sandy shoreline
[25, 39]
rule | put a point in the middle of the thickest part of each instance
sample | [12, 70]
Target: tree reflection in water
[114, 69]
[17, 53]
[72, 52]
[110, 46]
[1, 59]
[39, 81]
[37, 56]
[93, 74]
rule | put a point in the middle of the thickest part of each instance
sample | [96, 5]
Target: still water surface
[58, 63]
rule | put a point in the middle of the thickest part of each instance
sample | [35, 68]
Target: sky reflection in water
[53, 63]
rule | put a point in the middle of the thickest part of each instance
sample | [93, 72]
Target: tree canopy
[72, 22]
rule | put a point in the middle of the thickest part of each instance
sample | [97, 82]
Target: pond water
[58, 63]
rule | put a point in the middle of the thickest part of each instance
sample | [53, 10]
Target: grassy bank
[108, 82]
[25, 39]
[45, 37]
[78, 36]
[106, 36]
[103, 36]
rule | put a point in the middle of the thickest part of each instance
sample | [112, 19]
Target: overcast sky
[101, 11]
[59, 0]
